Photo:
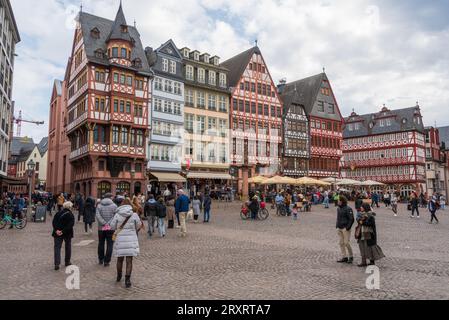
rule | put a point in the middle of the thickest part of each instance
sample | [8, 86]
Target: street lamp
[31, 166]
[133, 175]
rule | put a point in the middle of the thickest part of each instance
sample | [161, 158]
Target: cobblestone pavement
[234, 259]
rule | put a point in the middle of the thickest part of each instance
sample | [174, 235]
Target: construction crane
[19, 121]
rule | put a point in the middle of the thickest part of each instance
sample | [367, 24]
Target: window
[201, 124]
[388, 122]
[222, 80]
[124, 136]
[116, 77]
[189, 98]
[201, 103]
[382, 123]
[99, 76]
[212, 78]
[139, 138]
[128, 107]
[189, 119]
[165, 65]
[158, 84]
[173, 67]
[124, 53]
[115, 52]
[189, 73]
[201, 75]
[139, 84]
[222, 104]
[212, 105]
[330, 108]
[115, 134]
[177, 88]
[122, 79]
[320, 106]
[129, 81]
[115, 106]
[212, 126]
[122, 106]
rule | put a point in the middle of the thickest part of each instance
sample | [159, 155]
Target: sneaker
[395, 215]
[344, 260]
[412, 217]
[56, 268]
[362, 265]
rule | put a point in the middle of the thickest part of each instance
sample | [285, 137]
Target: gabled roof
[20, 145]
[58, 87]
[170, 43]
[116, 30]
[401, 120]
[92, 44]
[43, 146]
[293, 97]
[238, 64]
[444, 135]
[304, 91]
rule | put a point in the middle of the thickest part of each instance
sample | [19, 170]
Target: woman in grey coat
[127, 224]
[196, 208]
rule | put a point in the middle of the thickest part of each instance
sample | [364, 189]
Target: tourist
[366, 235]
[196, 204]
[167, 194]
[358, 202]
[345, 221]
[60, 201]
[414, 202]
[88, 212]
[387, 199]
[295, 212]
[151, 212]
[254, 207]
[105, 213]
[207, 204]
[181, 208]
[79, 205]
[279, 203]
[18, 203]
[433, 207]
[162, 214]
[63, 223]
[375, 200]
[171, 212]
[126, 224]
[394, 203]
[137, 207]
[326, 199]
[443, 202]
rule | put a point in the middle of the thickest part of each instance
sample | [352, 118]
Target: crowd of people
[119, 220]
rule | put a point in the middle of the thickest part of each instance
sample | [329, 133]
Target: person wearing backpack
[345, 221]
[161, 215]
[151, 211]
[434, 205]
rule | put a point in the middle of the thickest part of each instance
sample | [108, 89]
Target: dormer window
[196, 56]
[124, 29]
[205, 58]
[137, 63]
[99, 54]
[95, 33]
[186, 53]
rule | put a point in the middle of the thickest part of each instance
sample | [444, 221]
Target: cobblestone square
[234, 259]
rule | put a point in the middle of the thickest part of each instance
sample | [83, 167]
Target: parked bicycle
[263, 214]
[19, 223]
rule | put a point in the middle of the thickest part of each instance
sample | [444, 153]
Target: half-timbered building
[387, 146]
[108, 101]
[321, 107]
[255, 118]
[296, 134]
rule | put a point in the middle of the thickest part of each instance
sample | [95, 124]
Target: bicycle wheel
[22, 224]
[3, 224]
[263, 214]
[243, 216]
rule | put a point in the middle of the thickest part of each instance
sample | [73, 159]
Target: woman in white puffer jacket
[127, 243]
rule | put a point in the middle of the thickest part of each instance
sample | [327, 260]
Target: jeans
[105, 236]
[326, 203]
[177, 219]
[345, 246]
[58, 247]
[182, 220]
[151, 221]
[433, 216]
[162, 230]
[415, 209]
[206, 215]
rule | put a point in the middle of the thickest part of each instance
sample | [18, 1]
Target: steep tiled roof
[401, 120]
[238, 64]
[304, 91]
[92, 44]
[116, 31]
[43, 146]
[21, 145]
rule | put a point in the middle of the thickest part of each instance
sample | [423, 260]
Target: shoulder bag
[116, 233]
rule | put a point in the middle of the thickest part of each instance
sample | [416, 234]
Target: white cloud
[374, 53]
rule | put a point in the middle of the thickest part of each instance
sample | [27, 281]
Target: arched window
[123, 187]
[95, 33]
[104, 187]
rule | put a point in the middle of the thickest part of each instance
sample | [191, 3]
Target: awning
[168, 177]
[209, 175]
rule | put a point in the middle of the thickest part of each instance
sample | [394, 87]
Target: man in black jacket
[151, 211]
[345, 221]
[63, 223]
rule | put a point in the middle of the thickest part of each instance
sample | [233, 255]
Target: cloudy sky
[374, 52]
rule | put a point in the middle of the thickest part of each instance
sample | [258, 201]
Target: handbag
[358, 232]
[116, 233]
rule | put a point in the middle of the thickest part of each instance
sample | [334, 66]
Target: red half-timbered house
[107, 107]
[325, 120]
[255, 118]
[387, 146]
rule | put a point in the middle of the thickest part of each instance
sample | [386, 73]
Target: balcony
[107, 150]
